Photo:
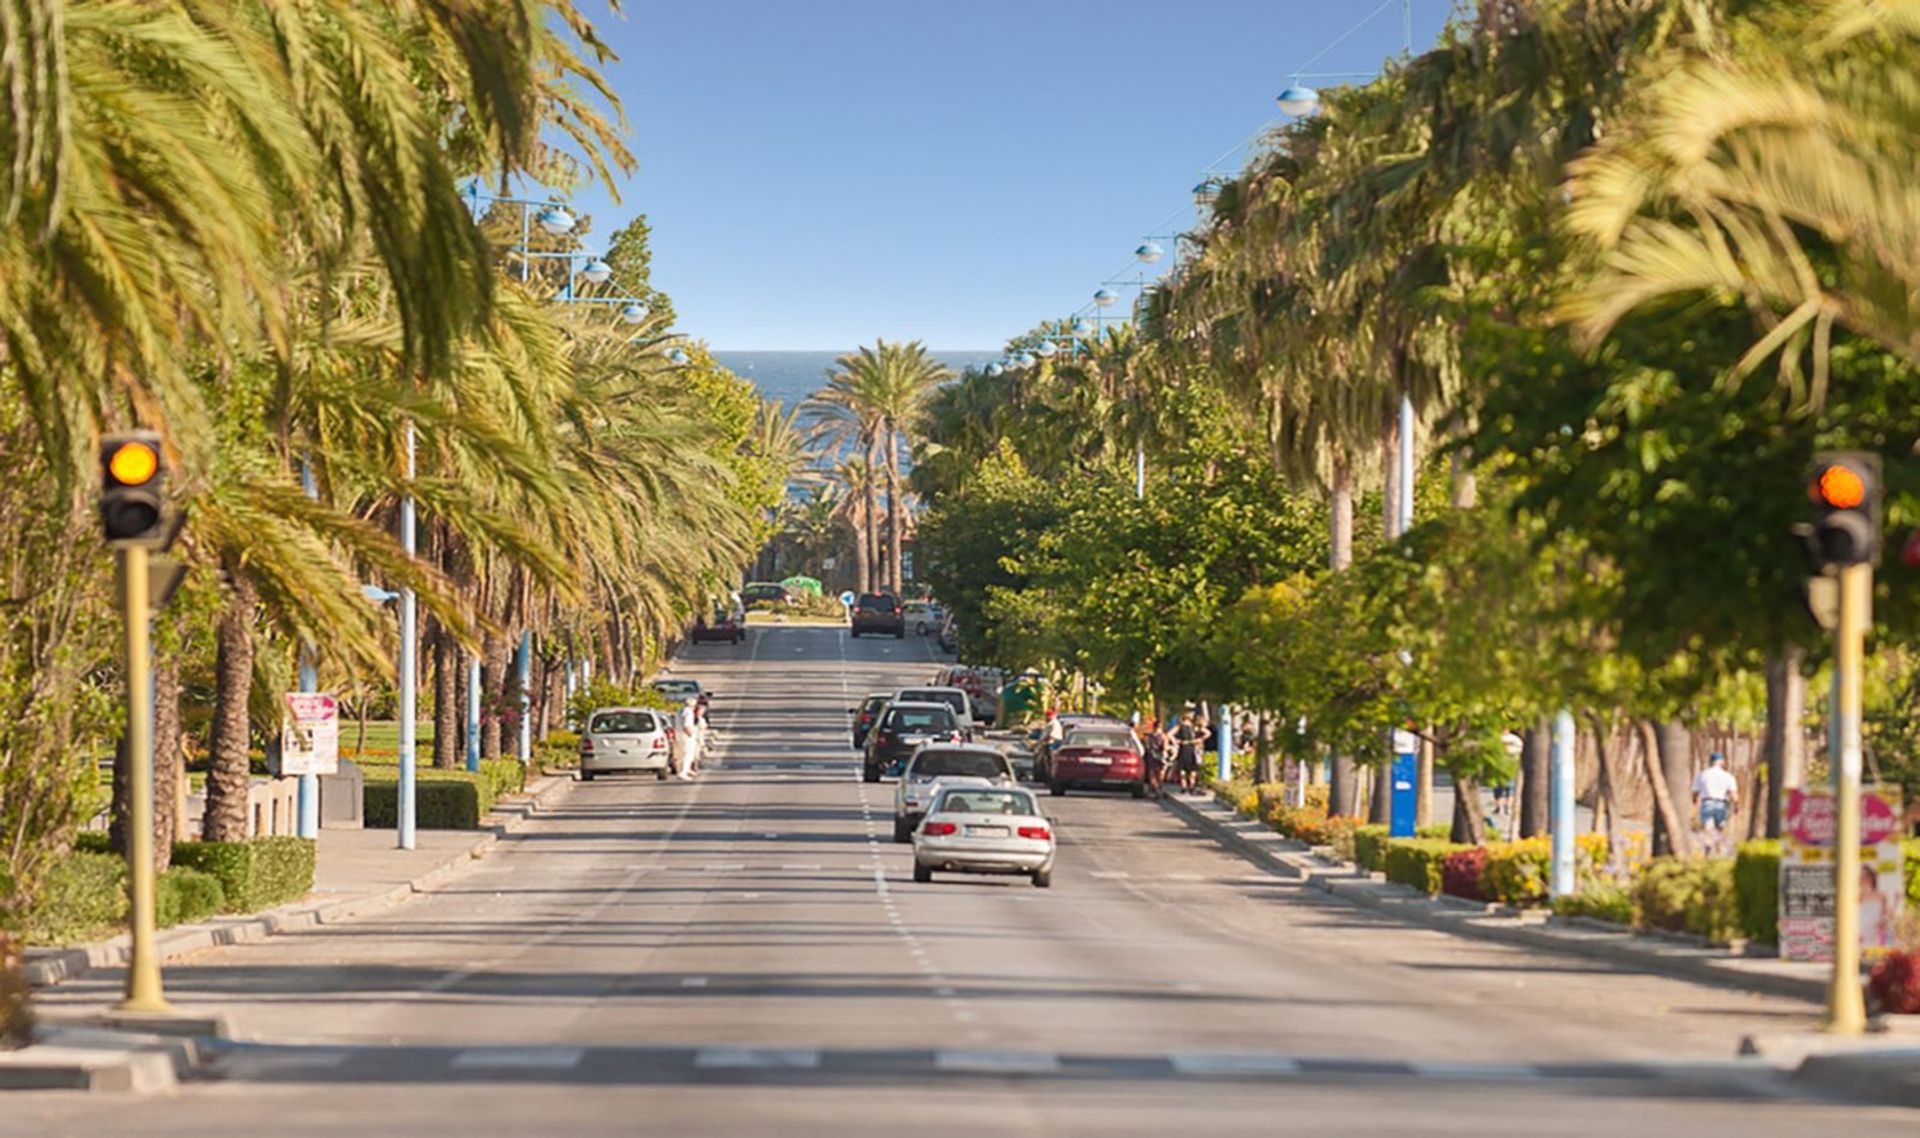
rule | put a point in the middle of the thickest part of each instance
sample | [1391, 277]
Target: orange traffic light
[131, 474]
[1840, 486]
[1845, 488]
[133, 463]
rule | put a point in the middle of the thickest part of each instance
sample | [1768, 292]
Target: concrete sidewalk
[355, 872]
[1883, 1066]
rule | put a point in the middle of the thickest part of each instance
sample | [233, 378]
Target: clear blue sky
[822, 174]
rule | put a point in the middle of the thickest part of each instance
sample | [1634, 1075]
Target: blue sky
[821, 174]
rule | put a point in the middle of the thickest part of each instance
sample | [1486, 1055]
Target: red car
[727, 626]
[1099, 757]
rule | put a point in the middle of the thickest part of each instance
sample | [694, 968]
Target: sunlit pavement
[748, 953]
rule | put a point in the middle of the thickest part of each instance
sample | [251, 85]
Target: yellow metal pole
[144, 994]
[1846, 1007]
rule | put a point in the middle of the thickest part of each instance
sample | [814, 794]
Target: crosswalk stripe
[518, 1058]
[996, 1061]
[1232, 1063]
[724, 1058]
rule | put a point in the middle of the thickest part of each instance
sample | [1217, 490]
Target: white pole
[473, 713]
[1140, 469]
[1563, 879]
[408, 667]
[526, 698]
[307, 823]
[1405, 503]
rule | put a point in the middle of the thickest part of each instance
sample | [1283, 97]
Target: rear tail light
[586, 744]
[938, 829]
[659, 743]
[1037, 833]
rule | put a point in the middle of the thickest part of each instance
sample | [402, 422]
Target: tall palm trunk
[169, 764]
[870, 487]
[493, 676]
[896, 511]
[229, 768]
[1536, 749]
[1341, 791]
[446, 697]
[1786, 753]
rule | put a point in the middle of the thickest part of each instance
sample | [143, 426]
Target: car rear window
[953, 699]
[875, 703]
[676, 687]
[1111, 740]
[985, 802]
[878, 601]
[920, 719]
[621, 723]
[947, 764]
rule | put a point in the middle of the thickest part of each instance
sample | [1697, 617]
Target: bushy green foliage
[1601, 900]
[82, 896]
[1369, 847]
[1756, 886]
[182, 896]
[1516, 872]
[253, 875]
[1419, 862]
[442, 800]
[93, 841]
[1690, 895]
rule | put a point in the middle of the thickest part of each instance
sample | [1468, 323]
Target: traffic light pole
[1846, 1007]
[144, 994]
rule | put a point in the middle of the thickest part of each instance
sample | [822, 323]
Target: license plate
[1098, 760]
[916, 740]
[987, 831]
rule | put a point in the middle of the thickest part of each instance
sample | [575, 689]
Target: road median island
[1679, 958]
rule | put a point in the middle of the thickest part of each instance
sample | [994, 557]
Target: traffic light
[1846, 491]
[132, 472]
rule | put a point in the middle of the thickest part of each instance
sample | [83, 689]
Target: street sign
[847, 598]
[1405, 788]
[1807, 886]
[310, 735]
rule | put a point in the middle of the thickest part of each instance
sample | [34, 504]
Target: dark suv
[879, 612]
[901, 730]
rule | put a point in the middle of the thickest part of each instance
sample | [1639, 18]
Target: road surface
[748, 954]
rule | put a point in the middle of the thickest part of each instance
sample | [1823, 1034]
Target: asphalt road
[748, 953]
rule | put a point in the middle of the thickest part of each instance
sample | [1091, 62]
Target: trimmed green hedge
[1756, 889]
[183, 895]
[1601, 900]
[82, 897]
[1418, 861]
[443, 799]
[254, 875]
[1370, 847]
[1695, 895]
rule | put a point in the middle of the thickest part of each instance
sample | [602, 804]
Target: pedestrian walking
[1717, 793]
[1189, 740]
[1157, 747]
[687, 740]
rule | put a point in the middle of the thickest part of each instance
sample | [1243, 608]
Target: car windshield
[920, 719]
[1111, 740]
[947, 764]
[874, 704]
[985, 802]
[953, 699]
[621, 723]
[879, 601]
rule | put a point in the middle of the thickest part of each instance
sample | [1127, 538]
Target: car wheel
[1057, 787]
[1139, 790]
[902, 830]
[900, 635]
[922, 873]
[586, 775]
[1043, 878]
[660, 775]
[870, 774]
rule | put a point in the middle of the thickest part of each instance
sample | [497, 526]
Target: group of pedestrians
[692, 735]
[1176, 751]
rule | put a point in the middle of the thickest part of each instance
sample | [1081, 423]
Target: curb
[1622, 947]
[88, 1058]
[1890, 1076]
[50, 968]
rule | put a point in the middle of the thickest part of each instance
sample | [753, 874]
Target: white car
[984, 829]
[626, 739]
[677, 689]
[951, 696]
[933, 767]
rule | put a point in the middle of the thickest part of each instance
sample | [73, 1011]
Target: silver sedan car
[984, 829]
[941, 761]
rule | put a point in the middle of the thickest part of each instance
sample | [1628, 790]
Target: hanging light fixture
[1106, 298]
[596, 271]
[1298, 100]
[1148, 253]
[634, 314]
[555, 219]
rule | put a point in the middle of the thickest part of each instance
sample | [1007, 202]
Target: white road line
[945, 992]
[693, 982]
[1110, 875]
[723, 1058]
[801, 868]
[971, 1059]
[1232, 1063]
[1475, 1071]
[518, 1058]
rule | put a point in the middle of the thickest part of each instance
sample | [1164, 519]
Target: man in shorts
[1718, 794]
[1189, 740]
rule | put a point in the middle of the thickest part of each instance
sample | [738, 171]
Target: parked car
[924, 616]
[951, 696]
[878, 612]
[677, 689]
[900, 730]
[766, 592]
[722, 625]
[864, 716]
[949, 639]
[1070, 722]
[934, 766]
[1098, 756]
[984, 829]
[626, 739]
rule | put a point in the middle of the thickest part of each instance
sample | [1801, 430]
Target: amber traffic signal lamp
[132, 474]
[1845, 489]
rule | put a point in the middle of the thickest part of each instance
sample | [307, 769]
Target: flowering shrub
[1463, 873]
[1895, 983]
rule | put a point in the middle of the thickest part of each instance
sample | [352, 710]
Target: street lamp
[596, 271]
[1206, 192]
[555, 220]
[1106, 298]
[1299, 100]
[1083, 327]
[1148, 253]
[677, 356]
[633, 313]
[1047, 349]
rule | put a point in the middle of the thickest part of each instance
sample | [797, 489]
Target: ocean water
[792, 376]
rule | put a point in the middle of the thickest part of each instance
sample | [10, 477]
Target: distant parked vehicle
[925, 617]
[766, 592]
[1098, 756]
[626, 739]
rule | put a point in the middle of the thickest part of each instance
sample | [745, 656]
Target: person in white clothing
[688, 726]
[1717, 794]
